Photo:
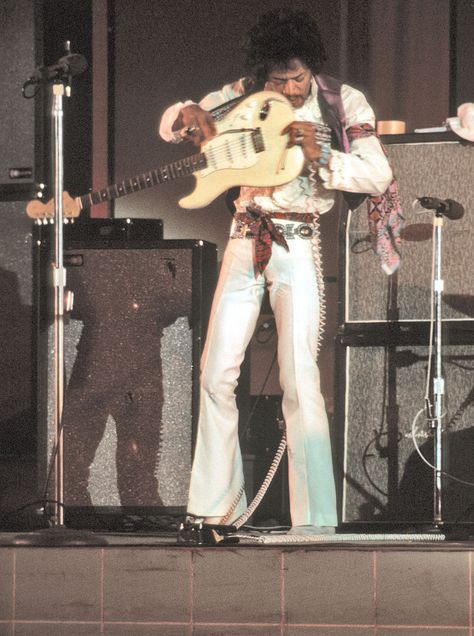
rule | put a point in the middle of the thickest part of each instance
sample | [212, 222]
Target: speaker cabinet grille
[384, 477]
[444, 170]
[19, 56]
[133, 344]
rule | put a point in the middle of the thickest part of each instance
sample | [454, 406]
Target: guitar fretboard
[168, 172]
[181, 168]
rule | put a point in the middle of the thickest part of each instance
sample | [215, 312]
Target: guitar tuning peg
[68, 301]
[40, 190]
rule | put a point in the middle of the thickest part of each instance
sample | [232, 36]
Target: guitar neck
[169, 172]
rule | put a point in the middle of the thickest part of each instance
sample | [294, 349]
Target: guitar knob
[264, 110]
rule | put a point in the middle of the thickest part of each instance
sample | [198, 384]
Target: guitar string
[169, 172]
[218, 153]
[173, 170]
[220, 150]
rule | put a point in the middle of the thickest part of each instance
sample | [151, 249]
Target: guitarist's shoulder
[334, 85]
[228, 92]
[240, 87]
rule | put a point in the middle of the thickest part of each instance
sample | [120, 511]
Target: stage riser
[147, 589]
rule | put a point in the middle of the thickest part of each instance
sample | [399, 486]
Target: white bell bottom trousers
[217, 473]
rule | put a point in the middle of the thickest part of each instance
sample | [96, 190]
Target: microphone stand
[438, 380]
[452, 210]
[59, 282]
[58, 533]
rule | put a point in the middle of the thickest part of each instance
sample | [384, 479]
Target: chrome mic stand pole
[59, 281]
[58, 76]
[435, 414]
[438, 380]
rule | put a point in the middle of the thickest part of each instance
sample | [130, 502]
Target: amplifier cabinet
[132, 349]
[382, 380]
[382, 346]
[441, 169]
[20, 119]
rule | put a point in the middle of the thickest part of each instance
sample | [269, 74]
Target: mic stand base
[431, 528]
[452, 531]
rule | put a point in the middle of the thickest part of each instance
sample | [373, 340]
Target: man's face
[293, 81]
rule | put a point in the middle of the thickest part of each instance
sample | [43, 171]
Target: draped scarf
[385, 214]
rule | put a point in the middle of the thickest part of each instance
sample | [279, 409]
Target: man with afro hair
[274, 244]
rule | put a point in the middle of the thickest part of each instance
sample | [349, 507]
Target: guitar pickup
[257, 140]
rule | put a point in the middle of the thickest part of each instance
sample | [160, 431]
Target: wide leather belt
[259, 225]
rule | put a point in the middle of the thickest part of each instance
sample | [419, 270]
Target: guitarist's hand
[303, 133]
[195, 124]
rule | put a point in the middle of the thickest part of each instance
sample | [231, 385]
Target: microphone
[450, 208]
[72, 64]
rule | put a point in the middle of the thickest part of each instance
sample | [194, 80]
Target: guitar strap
[334, 115]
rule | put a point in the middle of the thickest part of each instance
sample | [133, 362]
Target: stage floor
[145, 584]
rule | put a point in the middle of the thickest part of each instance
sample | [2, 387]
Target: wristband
[325, 154]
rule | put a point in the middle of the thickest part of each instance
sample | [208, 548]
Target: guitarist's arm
[194, 124]
[169, 125]
[188, 114]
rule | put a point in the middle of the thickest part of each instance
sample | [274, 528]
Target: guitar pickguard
[249, 150]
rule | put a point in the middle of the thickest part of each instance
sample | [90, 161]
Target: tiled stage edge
[323, 590]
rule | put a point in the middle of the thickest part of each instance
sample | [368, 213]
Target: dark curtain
[399, 54]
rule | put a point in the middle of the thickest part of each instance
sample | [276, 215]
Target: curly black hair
[279, 36]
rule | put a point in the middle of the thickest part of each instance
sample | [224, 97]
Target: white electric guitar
[248, 150]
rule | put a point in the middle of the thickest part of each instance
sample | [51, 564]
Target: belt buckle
[304, 230]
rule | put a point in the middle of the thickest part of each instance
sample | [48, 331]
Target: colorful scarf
[260, 226]
[385, 214]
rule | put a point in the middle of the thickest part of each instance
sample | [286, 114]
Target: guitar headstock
[43, 212]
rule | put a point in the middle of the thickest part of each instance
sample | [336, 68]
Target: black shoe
[193, 531]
